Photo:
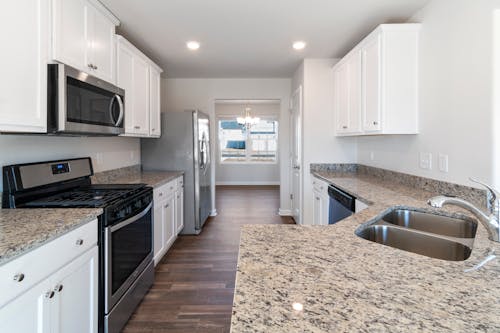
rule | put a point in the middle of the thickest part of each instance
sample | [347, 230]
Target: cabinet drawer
[163, 192]
[180, 182]
[36, 265]
[319, 186]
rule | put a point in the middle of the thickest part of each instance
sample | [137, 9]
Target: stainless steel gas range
[126, 270]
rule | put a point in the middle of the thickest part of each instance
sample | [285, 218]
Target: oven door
[85, 104]
[128, 250]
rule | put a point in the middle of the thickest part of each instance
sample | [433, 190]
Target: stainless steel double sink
[435, 236]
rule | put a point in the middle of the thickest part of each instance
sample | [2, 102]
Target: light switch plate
[443, 163]
[426, 161]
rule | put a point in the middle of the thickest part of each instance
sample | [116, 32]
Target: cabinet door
[372, 85]
[158, 232]
[125, 80]
[30, 312]
[74, 308]
[154, 102]
[141, 96]
[179, 211]
[325, 208]
[316, 208]
[23, 88]
[70, 34]
[169, 221]
[100, 34]
[341, 98]
[354, 70]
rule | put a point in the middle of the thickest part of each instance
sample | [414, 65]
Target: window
[257, 145]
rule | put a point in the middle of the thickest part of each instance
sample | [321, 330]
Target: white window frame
[248, 143]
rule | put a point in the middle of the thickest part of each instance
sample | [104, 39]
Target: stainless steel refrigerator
[184, 145]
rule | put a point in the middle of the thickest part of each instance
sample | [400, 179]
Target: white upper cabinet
[140, 78]
[23, 88]
[154, 100]
[83, 37]
[347, 85]
[376, 84]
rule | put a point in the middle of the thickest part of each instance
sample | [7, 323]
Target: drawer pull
[58, 288]
[137, 127]
[50, 294]
[19, 277]
[167, 205]
[161, 194]
[79, 242]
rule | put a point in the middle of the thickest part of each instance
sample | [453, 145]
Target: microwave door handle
[122, 111]
[120, 105]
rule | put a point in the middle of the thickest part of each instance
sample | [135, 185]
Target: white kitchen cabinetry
[83, 37]
[179, 206]
[167, 216]
[321, 202]
[385, 99]
[154, 101]
[53, 295]
[141, 81]
[347, 105]
[23, 88]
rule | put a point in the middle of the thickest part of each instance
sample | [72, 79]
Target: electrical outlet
[443, 163]
[372, 156]
[426, 161]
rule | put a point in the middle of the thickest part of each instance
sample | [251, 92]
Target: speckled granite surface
[134, 175]
[348, 284]
[22, 230]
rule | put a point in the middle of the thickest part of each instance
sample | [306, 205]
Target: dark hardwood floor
[194, 282]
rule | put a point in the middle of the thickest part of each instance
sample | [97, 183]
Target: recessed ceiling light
[299, 45]
[193, 45]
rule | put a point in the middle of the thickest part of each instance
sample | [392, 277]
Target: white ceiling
[250, 38]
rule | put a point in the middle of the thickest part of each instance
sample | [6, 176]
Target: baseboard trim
[213, 213]
[250, 183]
[284, 212]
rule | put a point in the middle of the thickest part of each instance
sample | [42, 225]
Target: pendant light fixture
[247, 120]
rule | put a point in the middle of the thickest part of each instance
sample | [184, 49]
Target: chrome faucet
[490, 220]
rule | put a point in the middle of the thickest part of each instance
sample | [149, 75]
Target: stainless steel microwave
[79, 103]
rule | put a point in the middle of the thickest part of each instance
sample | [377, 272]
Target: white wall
[247, 174]
[318, 141]
[456, 110]
[182, 94]
[106, 152]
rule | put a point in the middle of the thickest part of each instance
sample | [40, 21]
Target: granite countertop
[348, 284]
[22, 230]
[151, 178]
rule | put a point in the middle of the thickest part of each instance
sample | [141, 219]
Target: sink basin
[436, 224]
[416, 242]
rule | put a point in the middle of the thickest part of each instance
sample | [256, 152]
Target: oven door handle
[132, 219]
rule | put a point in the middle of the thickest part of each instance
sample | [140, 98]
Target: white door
[179, 211]
[296, 158]
[371, 85]
[158, 232]
[30, 312]
[169, 220]
[69, 34]
[100, 35]
[23, 88]
[74, 308]
[154, 102]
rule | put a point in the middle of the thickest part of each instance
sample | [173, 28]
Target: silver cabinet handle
[58, 288]
[137, 127]
[50, 294]
[178, 197]
[19, 277]
[161, 194]
[375, 123]
[90, 66]
[317, 198]
[95, 67]
[79, 242]
[167, 205]
[344, 127]
[171, 187]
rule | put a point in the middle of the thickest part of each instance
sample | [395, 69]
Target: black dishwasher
[341, 205]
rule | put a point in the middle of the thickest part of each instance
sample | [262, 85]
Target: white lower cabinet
[321, 202]
[64, 300]
[168, 216]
